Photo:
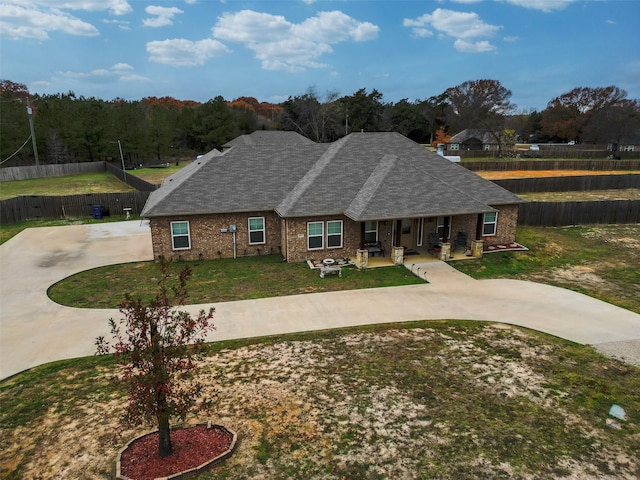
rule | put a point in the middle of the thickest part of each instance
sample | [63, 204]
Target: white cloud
[36, 18]
[115, 7]
[282, 45]
[473, 47]
[184, 53]
[121, 24]
[29, 22]
[463, 26]
[543, 5]
[161, 16]
[120, 71]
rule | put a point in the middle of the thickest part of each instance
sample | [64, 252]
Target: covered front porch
[418, 255]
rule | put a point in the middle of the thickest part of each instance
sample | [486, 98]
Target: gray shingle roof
[365, 176]
[483, 136]
[269, 137]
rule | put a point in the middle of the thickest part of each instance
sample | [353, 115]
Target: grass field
[220, 280]
[437, 400]
[70, 185]
[157, 175]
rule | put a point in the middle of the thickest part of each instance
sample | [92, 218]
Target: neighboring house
[474, 140]
[268, 137]
[313, 201]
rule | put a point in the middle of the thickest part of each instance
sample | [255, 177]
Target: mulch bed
[192, 447]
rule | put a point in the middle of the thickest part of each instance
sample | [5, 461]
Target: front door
[405, 235]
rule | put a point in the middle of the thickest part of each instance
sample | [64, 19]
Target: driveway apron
[34, 330]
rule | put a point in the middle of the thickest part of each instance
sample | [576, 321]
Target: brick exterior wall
[289, 236]
[507, 222]
[296, 234]
[207, 240]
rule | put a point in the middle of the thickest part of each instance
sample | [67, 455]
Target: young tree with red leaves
[158, 345]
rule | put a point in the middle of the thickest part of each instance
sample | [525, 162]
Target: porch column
[477, 248]
[362, 259]
[445, 251]
[397, 255]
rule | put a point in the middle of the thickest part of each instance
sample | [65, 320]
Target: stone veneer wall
[207, 241]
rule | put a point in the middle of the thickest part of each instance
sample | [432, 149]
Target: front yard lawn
[221, 280]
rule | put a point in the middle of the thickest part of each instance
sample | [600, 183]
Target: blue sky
[270, 49]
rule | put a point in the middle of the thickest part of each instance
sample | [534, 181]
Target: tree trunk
[164, 437]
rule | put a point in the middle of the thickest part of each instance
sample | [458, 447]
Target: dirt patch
[454, 402]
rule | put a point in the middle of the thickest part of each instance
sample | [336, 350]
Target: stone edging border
[223, 456]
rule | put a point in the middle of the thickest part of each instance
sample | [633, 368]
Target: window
[486, 146]
[490, 223]
[454, 146]
[256, 230]
[628, 148]
[334, 234]
[315, 235]
[180, 238]
[371, 231]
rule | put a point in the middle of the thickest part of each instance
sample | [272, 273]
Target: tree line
[69, 128]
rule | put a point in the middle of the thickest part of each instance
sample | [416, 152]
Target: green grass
[157, 175]
[68, 185]
[220, 280]
[432, 399]
[602, 261]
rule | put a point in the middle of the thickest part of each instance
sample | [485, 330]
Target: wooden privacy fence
[19, 209]
[557, 214]
[8, 174]
[570, 183]
[552, 165]
[131, 180]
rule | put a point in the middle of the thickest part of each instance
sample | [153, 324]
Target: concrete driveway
[34, 330]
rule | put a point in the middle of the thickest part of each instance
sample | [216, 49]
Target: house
[473, 139]
[313, 201]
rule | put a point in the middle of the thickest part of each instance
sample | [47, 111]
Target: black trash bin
[97, 212]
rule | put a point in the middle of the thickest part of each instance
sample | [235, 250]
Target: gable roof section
[269, 137]
[243, 179]
[365, 176]
[483, 136]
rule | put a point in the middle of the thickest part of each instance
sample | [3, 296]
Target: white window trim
[494, 223]
[454, 146]
[420, 232]
[263, 230]
[188, 235]
[372, 231]
[335, 234]
[321, 247]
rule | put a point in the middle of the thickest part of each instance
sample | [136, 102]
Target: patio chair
[433, 242]
[460, 241]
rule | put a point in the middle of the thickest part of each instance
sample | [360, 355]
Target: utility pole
[124, 175]
[33, 134]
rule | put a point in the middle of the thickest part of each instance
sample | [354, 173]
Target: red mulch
[192, 447]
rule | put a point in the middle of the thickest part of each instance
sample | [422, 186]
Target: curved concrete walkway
[34, 330]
